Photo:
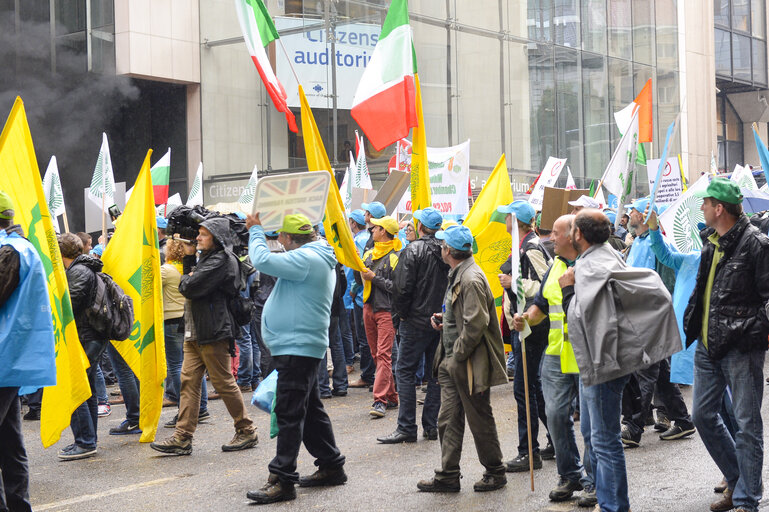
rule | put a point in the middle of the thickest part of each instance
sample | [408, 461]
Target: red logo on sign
[555, 168]
[668, 169]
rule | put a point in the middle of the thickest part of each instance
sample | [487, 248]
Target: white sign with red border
[548, 178]
[671, 188]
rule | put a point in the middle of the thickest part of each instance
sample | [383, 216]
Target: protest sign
[670, 187]
[681, 218]
[548, 178]
[278, 196]
[556, 203]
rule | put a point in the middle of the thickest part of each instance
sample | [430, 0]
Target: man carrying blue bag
[26, 350]
[295, 329]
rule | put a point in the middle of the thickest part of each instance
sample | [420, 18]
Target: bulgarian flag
[259, 31]
[385, 102]
[161, 175]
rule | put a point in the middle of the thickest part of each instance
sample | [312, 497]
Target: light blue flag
[763, 154]
[663, 160]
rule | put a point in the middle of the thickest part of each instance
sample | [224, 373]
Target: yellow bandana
[380, 250]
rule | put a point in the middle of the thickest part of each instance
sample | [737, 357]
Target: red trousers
[381, 335]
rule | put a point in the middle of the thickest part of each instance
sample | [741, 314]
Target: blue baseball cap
[358, 216]
[611, 215]
[458, 237]
[375, 208]
[162, 222]
[523, 211]
[640, 205]
[271, 233]
[99, 249]
[430, 217]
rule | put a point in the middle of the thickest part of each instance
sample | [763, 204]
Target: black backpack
[112, 312]
[241, 307]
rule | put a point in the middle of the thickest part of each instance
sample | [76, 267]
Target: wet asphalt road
[129, 476]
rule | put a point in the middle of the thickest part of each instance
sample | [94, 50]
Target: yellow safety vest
[558, 337]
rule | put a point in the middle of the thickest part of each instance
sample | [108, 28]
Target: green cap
[5, 204]
[296, 224]
[723, 190]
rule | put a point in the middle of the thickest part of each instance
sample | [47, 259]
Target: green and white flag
[246, 201]
[53, 194]
[743, 177]
[681, 218]
[346, 188]
[196, 192]
[618, 176]
[103, 180]
[362, 177]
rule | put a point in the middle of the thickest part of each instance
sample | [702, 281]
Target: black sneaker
[32, 415]
[126, 427]
[548, 452]
[490, 483]
[564, 490]
[324, 478]
[678, 431]
[75, 452]
[334, 392]
[629, 439]
[391, 405]
[273, 491]
[588, 498]
[202, 416]
[431, 434]
[663, 423]
[434, 485]
[378, 410]
[521, 463]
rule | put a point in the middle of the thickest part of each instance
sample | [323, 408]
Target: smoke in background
[67, 109]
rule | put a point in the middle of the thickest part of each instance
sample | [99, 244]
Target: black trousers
[301, 418]
[658, 376]
[14, 487]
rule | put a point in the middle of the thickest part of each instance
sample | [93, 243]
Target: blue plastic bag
[265, 392]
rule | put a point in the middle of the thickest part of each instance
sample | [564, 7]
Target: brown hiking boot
[323, 478]
[176, 445]
[243, 439]
[273, 491]
[724, 503]
[490, 483]
[434, 485]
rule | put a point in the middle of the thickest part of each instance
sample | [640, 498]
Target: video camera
[185, 221]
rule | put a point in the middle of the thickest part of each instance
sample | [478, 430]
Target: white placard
[670, 189]
[278, 196]
[548, 178]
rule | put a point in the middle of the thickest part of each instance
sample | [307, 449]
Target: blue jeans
[367, 366]
[101, 387]
[560, 391]
[346, 330]
[337, 357]
[174, 356]
[739, 458]
[534, 352]
[249, 372]
[85, 419]
[600, 424]
[128, 383]
[417, 344]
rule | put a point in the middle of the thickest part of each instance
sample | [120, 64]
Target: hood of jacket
[322, 249]
[220, 229]
[94, 264]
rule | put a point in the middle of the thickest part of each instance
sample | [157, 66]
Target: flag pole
[528, 410]
[103, 215]
[290, 64]
[66, 222]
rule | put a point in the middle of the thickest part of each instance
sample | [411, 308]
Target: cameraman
[209, 333]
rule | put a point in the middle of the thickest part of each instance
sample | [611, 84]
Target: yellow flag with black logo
[335, 223]
[132, 259]
[21, 179]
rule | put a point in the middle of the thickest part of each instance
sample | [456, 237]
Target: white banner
[549, 176]
[681, 218]
[671, 188]
[310, 54]
[743, 177]
[449, 180]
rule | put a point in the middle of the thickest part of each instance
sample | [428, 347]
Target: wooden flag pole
[103, 215]
[66, 222]
[528, 411]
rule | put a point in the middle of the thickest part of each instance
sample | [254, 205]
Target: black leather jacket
[81, 278]
[737, 316]
[420, 280]
[213, 283]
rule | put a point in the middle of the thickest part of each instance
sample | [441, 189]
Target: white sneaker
[104, 410]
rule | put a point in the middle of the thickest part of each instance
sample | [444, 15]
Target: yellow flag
[133, 260]
[335, 223]
[21, 179]
[496, 192]
[420, 172]
[492, 241]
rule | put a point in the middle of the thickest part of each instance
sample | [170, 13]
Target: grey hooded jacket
[621, 319]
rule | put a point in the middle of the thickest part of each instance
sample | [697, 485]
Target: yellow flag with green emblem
[335, 223]
[132, 259]
[420, 172]
[492, 241]
[21, 179]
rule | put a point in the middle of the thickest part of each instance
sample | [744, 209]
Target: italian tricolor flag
[161, 175]
[259, 31]
[385, 102]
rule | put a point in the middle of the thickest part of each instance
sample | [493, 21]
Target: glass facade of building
[530, 79]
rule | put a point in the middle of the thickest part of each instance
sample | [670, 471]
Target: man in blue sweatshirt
[295, 325]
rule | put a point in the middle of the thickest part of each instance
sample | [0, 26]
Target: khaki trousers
[456, 405]
[214, 357]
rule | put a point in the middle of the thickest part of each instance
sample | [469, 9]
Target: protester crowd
[603, 324]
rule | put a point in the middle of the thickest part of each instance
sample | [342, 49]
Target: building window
[730, 130]
[740, 42]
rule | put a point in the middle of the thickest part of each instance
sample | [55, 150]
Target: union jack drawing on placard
[278, 196]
